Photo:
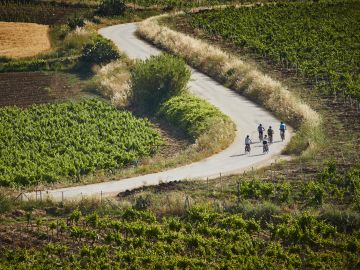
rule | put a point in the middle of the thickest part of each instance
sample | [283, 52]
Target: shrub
[111, 7]
[75, 21]
[192, 114]
[157, 79]
[100, 51]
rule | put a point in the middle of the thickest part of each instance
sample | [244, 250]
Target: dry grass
[19, 40]
[240, 76]
[113, 82]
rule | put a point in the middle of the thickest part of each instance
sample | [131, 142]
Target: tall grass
[113, 82]
[242, 77]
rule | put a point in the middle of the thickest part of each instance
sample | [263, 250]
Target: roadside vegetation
[242, 77]
[156, 87]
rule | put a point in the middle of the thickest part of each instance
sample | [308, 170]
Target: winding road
[245, 114]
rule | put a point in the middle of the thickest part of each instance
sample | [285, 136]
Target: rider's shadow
[238, 155]
[257, 146]
[257, 155]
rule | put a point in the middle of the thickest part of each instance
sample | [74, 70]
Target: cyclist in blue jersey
[282, 130]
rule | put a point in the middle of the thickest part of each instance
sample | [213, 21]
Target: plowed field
[27, 88]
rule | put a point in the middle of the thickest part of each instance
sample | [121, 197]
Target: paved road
[246, 115]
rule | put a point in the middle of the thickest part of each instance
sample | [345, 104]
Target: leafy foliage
[45, 142]
[201, 238]
[314, 39]
[158, 79]
[111, 7]
[99, 51]
[75, 21]
[191, 114]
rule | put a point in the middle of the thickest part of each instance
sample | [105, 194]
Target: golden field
[19, 40]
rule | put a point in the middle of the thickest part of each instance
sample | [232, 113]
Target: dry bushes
[23, 39]
[242, 77]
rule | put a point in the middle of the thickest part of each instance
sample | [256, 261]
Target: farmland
[23, 39]
[26, 88]
[42, 13]
[298, 213]
[317, 41]
[46, 142]
[247, 223]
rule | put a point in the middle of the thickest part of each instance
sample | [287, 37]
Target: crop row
[46, 142]
[316, 40]
[201, 239]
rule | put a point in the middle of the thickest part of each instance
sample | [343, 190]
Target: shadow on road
[238, 155]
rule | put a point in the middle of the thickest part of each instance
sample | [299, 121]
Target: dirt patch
[23, 39]
[27, 88]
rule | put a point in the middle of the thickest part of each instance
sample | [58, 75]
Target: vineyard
[316, 40]
[43, 13]
[45, 143]
[248, 232]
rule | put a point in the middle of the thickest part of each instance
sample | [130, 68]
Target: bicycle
[282, 135]
[271, 138]
[247, 149]
[261, 136]
[265, 148]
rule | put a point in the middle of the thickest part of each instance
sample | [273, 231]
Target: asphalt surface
[245, 114]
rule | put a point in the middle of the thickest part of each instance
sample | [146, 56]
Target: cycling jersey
[247, 141]
[282, 127]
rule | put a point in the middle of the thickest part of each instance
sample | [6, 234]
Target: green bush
[75, 21]
[157, 79]
[111, 7]
[100, 51]
[193, 115]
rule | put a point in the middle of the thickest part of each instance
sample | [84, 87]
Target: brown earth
[27, 88]
[23, 39]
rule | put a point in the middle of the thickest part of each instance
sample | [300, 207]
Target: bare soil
[24, 89]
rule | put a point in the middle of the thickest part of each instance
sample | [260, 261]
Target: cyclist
[265, 144]
[247, 144]
[282, 130]
[261, 130]
[270, 133]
